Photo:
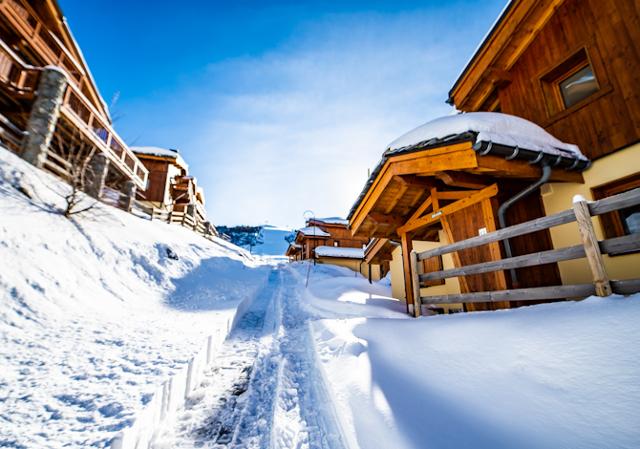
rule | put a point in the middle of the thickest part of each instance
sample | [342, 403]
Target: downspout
[502, 210]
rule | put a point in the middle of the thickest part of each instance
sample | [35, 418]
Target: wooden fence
[591, 249]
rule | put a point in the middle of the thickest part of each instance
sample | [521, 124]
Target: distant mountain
[271, 239]
[273, 242]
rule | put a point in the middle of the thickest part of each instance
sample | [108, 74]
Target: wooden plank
[549, 221]
[520, 294]
[490, 191]
[626, 287]
[415, 284]
[528, 260]
[422, 209]
[591, 248]
[455, 194]
[615, 202]
[407, 247]
[462, 179]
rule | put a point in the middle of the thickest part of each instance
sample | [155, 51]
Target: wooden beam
[519, 294]
[396, 198]
[385, 219]
[415, 284]
[524, 170]
[591, 248]
[463, 179]
[455, 194]
[407, 247]
[458, 156]
[449, 209]
[422, 209]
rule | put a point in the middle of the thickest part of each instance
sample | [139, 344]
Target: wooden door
[467, 223]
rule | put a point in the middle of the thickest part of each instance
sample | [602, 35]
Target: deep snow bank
[564, 375]
[93, 312]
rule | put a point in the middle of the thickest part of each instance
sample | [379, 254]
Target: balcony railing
[21, 79]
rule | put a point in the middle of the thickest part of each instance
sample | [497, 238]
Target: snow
[563, 375]
[94, 314]
[273, 242]
[333, 220]
[339, 251]
[314, 231]
[493, 127]
[161, 152]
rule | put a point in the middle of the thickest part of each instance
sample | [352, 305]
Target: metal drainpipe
[502, 210]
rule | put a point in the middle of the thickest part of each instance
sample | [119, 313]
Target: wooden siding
[157, 184]
[609, 31]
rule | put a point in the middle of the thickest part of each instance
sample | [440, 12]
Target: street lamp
[307, 215]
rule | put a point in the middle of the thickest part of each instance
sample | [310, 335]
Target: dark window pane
[631, 219]
[578, 86]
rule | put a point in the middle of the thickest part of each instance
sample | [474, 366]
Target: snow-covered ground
[94, 313]
[563, 375]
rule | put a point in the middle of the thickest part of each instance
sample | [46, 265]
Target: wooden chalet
[164, 165]
[328, 240]
[50, 104]
[170, 186]
[548, 72]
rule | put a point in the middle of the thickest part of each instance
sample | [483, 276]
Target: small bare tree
[74, 155]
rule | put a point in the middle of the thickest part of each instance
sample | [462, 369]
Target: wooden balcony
[21, 80]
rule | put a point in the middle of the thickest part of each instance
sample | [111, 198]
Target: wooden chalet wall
[157, 186]
[609, 31]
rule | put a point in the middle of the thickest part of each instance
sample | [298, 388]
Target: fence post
[415, 284]
[591, 246]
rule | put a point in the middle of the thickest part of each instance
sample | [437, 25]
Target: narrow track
[265, 390]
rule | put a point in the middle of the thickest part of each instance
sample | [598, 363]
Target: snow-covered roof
[494, 127]
[161, 152]
[339, 251]
[520, 138]
[332, 220]
[314, 231]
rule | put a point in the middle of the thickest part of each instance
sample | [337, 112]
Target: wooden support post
[591, 247]
[407, 247]
[415, 285]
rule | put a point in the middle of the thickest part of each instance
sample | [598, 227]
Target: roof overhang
[515, 29]
[403, 181]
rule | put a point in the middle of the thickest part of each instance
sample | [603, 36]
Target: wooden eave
[490, 65]
[380, 250]
[405, 182]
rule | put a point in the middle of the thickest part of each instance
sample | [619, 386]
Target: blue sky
[278, 107]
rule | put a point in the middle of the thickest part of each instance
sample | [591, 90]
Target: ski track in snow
[265, 390]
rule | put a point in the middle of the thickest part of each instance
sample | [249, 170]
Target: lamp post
[307, 215]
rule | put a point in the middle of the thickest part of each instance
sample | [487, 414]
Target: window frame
[611, 223]
[571, 63]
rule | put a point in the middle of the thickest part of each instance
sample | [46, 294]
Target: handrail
[108, 140]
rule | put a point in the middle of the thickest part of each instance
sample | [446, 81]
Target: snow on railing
[170, 396]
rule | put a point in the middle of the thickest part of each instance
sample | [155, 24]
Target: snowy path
[265, 390]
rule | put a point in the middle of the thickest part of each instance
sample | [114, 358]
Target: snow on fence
[170, 396]
[591, 249]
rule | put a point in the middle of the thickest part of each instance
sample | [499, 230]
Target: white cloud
[272, 135]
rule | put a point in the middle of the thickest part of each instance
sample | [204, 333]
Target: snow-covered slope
[93, 312]
[273, 242]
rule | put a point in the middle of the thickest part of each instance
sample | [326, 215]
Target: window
[570, 83]
[578, 86]
[624, 221]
